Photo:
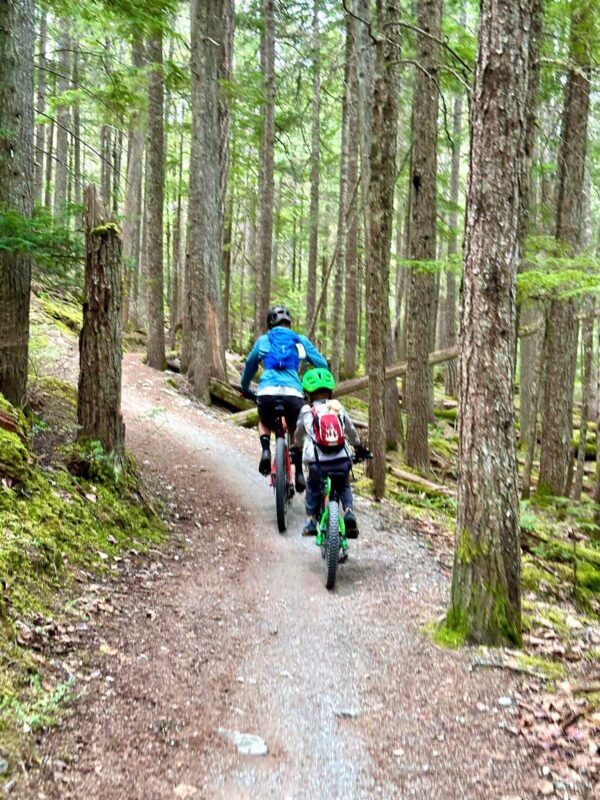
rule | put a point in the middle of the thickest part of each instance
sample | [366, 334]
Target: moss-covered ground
[54, 527]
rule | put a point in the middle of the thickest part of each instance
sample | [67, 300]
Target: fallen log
[356, 384]
[229, 395]
[249, 418]
[245, 419]
[409, 477]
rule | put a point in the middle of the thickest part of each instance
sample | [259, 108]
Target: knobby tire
[281, 485]
[332, 546]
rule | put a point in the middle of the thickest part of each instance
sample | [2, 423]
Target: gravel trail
[230, 629]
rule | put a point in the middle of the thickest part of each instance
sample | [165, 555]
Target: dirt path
[230, 628]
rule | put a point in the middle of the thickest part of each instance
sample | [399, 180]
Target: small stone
[413, 589]
[3, 766]
[398, 753]
[185, 792]
[546, 771]
[505, 702]
[248, 744]
[547, 788]
[347, 713]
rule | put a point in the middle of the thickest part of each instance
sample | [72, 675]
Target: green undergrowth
[53, 526]
[65, 310]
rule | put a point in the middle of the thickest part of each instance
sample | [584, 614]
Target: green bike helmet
[315, 379]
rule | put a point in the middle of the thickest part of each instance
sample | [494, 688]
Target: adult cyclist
[280, 350]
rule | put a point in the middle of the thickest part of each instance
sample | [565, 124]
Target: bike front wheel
[332, 545]
[281, 484]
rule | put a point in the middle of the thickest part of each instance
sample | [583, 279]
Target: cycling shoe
[264, 466]
[350, 525]
[300, 482]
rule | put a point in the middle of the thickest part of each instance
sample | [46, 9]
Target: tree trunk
[100, 347]
[486, 600]
[267, 166]
[421, 297]
[117, 157]
[106, 165]
[340, 257]
[77, 170]
[175, 299]
[587, 355]
[132, 214]
[382, 177]
[154, 204]
[530, 311]
[451, 373]
[315, 155]
[62, 125]
[226, 260]
[40, 128]
[16, 189]
[49, 161]
[560, 347]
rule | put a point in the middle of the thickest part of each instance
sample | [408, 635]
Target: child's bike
[331, 531]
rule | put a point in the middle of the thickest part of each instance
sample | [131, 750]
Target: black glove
[362, 453]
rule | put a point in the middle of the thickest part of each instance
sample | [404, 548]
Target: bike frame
[323, 524]
[281, 432]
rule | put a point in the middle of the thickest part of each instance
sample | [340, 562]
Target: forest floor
[228, 629]
[175, 650]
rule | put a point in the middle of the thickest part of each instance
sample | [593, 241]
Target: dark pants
[267, 414]
[316, 479]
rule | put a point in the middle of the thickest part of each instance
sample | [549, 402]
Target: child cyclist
[280, 350]
[324, 430]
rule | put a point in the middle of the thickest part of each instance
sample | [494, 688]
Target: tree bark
[382, 177]
[40, 128]
[486, 601]
[154, 203]
[267, 166]
[77, 170]
[342, 227]
[530, 311]
[422, 243]
[175, 298]
[62, 125]
[315, 155]
[16, 189]
[560, 346]
[587, 355]
[100, 347]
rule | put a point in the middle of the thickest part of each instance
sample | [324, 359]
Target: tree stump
[100, 350]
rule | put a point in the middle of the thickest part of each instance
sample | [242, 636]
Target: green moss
[446, 636]
[449, 414]
[59, 390]
[108, 227]
[65, 312]
[15, 458]
[551, 669]
[468, 550]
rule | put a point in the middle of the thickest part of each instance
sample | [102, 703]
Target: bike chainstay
[321, 539]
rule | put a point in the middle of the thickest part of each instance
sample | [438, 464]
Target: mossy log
[422, 483]
[229, 395]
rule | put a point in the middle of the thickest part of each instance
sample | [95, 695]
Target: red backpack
[328, 429]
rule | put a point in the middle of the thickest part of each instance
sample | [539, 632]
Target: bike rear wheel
[332, 545]
[281, 484]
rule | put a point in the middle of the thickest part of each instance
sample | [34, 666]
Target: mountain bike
[281, 477]
[331, 531]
